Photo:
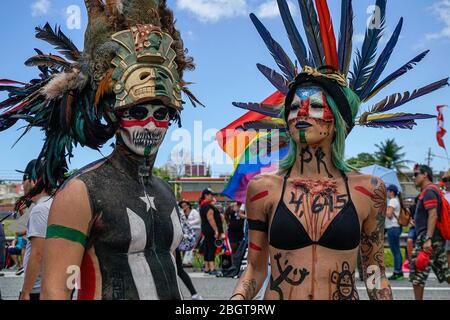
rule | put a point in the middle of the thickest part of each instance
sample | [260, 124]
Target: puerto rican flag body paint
[310, 102]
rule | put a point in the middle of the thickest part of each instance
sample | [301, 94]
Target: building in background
[190, 188]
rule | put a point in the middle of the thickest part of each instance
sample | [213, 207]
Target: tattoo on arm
[249, 287]
[372, 244]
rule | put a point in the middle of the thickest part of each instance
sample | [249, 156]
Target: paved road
[220, 288]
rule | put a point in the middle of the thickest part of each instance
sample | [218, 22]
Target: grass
[389, 258]
[6, 224]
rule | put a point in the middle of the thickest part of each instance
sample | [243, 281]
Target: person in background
[195, 222]
[193, 217]
[36, 232]
[429, 239]
[2, 250]
[394, 230]
[446, 181]
[235, 220]
[15, 252]
[212, 229]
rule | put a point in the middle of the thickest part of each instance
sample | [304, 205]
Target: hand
[216, 234]
[427, 246]
[24, 296]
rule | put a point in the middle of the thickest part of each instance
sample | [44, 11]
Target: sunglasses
[416, 174]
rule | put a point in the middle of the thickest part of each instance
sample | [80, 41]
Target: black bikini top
[288, 233]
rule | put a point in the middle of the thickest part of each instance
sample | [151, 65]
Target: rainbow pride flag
[253, 152]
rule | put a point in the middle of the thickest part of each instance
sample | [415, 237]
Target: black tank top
[288, 233]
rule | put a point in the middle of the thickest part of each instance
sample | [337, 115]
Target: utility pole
[429, 158]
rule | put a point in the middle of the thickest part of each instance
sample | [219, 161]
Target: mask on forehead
[310, 102]
[144, 126]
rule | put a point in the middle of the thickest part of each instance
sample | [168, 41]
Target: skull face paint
[144, 126]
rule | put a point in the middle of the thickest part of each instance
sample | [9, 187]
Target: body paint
[254, 246]
[60, 232]
[259, 196]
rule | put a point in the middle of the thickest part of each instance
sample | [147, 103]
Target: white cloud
[269, 9]
[213, 10]
[40, 7]
[441, 9]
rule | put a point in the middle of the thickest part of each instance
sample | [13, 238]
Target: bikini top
[288, 233]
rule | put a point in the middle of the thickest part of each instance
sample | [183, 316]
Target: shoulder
[264, 182]
[366, 184]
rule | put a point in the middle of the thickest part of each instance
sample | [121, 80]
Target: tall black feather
[281, 58]
[396, 100]
[396, 74]
[294, 36]
[312, 30]
[345, 36]
[382, 61]
[275, 78]
[61, 42]
[363, 65]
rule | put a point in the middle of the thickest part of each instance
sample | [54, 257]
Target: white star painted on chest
[149, 201]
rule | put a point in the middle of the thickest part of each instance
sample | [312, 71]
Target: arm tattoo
[249, 287]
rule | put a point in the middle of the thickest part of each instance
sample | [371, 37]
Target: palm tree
[389, 155]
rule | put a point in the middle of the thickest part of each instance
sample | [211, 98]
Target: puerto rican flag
[440, 127]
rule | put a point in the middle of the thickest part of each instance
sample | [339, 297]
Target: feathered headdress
[325, 53]
[132, 54]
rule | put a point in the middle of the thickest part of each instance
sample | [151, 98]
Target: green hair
[338, 144]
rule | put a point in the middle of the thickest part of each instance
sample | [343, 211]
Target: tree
[389, 155]
[362, 160]
[161, 173]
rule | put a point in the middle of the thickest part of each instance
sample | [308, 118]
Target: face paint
[144, 127]
[310, 102]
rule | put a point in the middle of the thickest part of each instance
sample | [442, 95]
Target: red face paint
[143, 123]
[259, 196]
[254, 247]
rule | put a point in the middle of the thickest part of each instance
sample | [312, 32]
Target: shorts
[210, 248]
[438, 262]
[15, 251]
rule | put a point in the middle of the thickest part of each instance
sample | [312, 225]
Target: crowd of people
[426, 248]
[215, 228]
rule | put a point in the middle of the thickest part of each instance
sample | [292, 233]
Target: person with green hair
[314, 215]
[317, 212]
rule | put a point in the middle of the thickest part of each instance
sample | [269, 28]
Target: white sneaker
[197, 297]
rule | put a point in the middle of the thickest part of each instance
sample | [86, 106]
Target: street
[212, 288]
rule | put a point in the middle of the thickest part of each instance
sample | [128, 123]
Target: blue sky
[226, 47]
